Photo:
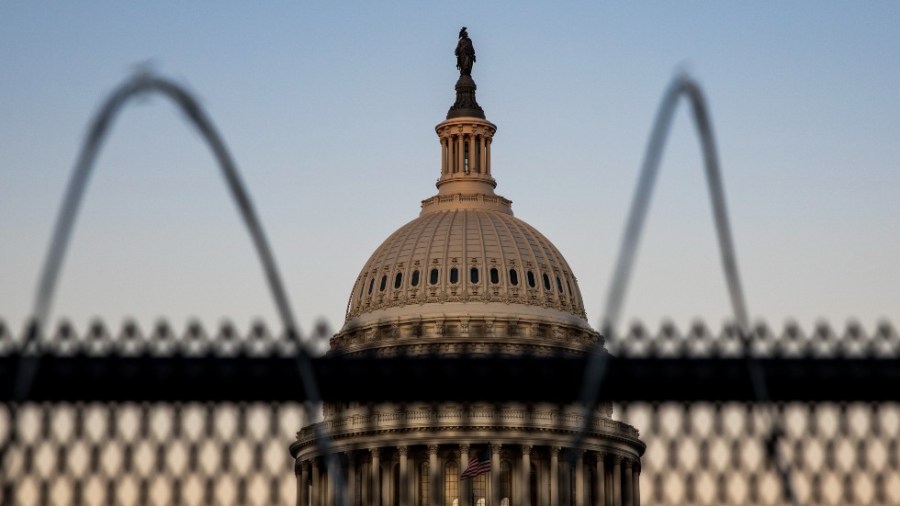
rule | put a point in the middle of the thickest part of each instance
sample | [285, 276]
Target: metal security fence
[81, 441]
[841, 446]
[153, 453]
[745, 415]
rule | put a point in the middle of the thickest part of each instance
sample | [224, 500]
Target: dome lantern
[465, 135]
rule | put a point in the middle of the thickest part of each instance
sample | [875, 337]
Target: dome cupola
[466, 267]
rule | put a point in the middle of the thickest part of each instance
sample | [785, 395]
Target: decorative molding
[512, 335]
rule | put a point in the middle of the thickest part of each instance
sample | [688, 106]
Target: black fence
[192, 417]
[738, 416]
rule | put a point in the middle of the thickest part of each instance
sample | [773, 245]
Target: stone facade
[467, 278]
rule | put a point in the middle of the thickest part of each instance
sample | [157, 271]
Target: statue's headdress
[462, 33]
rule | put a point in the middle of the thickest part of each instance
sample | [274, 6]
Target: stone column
[636, 484]
[465, 486]
[404, 481]
[316, 484]
[495, 474]
[617, 481]
[579, 477]
[554, 475]
[302, 487]
[600, 485]
[451, 154]
[444, 161]
[473, 165]
[482, 144]
[524, 492]
[488, 156]
[434, 473]
[376, 476]
[329, 484]
[544, 479]
[350, 491]
[387, 479]
[629, 487]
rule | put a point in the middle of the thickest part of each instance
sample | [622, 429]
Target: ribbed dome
[466, 262]
[472, 254]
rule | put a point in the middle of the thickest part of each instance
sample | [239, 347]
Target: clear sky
[329, 110]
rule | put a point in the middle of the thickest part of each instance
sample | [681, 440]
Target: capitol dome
[467, 279]
[466, 261]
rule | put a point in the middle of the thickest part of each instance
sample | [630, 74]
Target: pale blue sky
[329, 110]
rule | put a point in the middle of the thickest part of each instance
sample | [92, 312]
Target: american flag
[479, 464]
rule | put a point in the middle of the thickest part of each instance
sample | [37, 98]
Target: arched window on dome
[473, 275]
[495, 276]
[371, 285]
[569, 286]
[454, 275]
[546, 282]
[513, 277]
[451, 484]
[414, 280]
[559, 285]
[383, 283]
[398, 279]
[531, 281]
[433, 277]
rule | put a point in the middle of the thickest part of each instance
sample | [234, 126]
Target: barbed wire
[142, 84]
[704, 432]
[748, 340]
[681, 86]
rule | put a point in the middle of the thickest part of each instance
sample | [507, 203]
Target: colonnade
[467, 153]
[520, 475]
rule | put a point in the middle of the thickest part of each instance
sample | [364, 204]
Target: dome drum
[463, 334]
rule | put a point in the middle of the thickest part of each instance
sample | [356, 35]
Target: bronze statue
[465, 53]
[465, 106]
